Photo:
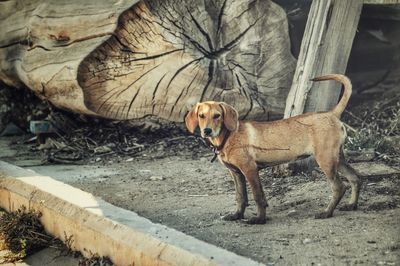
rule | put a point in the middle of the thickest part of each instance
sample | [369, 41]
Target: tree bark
[154, 58]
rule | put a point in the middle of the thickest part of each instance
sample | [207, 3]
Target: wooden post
[325, 48]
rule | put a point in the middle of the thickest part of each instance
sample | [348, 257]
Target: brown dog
[246, 146]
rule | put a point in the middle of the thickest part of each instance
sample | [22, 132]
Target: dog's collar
[217, 149]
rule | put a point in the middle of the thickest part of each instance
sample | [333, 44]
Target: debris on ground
[98, 140]
[95, 260]
[19, 106]
[375, 126]
[22, 234]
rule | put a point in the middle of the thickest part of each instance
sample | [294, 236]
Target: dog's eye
[201, 116]
[216, 116]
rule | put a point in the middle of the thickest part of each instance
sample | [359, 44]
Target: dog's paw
[257, 220]
[348, 207]
[323, 215]
[233, 216]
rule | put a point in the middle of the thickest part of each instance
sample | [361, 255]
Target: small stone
[145, 171]
[160, 148]
[236, 235]
[292, 213]
[307, 241]
[315, 174]
[98, 159]
[102, 149]
[156, 178]
[129, 160]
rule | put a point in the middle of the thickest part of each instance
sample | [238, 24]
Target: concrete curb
[102, 228]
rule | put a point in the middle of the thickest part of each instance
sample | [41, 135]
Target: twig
[350, 127]
[353, 115]
[179, 138]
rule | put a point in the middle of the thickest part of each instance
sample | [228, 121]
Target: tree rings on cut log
[167, 55]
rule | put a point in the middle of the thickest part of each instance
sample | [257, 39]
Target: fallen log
[129, 59]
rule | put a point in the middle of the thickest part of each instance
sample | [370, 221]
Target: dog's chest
[231, 167]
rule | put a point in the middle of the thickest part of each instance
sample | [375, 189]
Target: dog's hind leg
[347, 171]
[241, 196]
[329, 165]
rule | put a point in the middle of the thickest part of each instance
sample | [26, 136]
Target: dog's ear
[191, 119]
[231, 116]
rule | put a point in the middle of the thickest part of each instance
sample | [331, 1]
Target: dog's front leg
[250, 171]
[241, 196]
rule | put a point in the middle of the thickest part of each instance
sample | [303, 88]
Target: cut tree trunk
[154, 58]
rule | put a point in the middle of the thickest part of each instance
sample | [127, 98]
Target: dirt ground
[166, 176]
[189, 193]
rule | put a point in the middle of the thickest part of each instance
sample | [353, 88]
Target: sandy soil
[189, 193]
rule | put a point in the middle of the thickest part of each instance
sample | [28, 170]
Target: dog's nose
[207, 131]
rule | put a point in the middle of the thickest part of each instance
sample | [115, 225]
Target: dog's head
[211, 117]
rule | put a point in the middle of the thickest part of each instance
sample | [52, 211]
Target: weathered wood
[183, 53]
[333, 54]
[155, 58]
[305, 69]
[43, 42]
[325, 49]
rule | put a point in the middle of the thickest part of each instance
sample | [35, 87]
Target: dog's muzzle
[207, 132]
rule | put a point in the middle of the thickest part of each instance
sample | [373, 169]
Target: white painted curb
[102, 228]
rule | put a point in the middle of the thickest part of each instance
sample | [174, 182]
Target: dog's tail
[341, 105]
